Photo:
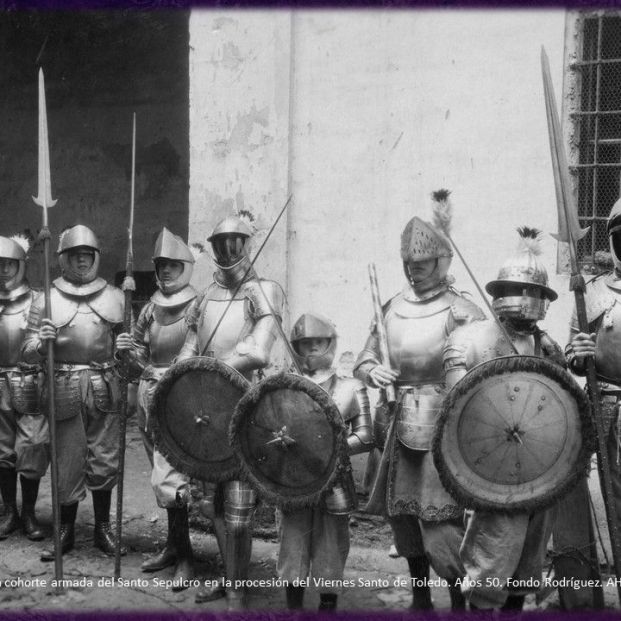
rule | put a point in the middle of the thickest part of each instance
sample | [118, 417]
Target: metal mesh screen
[599, 132]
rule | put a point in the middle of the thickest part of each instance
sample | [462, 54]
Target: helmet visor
[228, 249]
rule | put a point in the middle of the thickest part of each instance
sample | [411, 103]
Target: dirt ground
[26, 582]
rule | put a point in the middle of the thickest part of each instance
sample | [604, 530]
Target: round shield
[290, 439]
[192, 409]
[513, 435]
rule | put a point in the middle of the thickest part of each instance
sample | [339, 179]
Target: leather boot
[421, 593]
[168, 556]
[327, 601]
[184, 570]
[8, 488]
[104, 538]
[295, 597]
[67, 531]
[458, 601]
[30, 525]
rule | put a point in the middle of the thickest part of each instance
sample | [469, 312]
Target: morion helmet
[78, 236]
[15, 248]
[521, 288]
[421, 241]
[169, 246]
[313, 325]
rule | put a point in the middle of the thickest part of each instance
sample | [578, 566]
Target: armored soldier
[316, 539]
[24, 434]
[497, 547]
[426, 521]
[603, 343]
[245, 310]
[157, 338]
[87, 313]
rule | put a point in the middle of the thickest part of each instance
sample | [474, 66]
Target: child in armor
[315, 540]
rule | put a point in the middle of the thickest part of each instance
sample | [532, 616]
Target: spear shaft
[570, 232]
[128, 288]
[44, 200]
[382, 339]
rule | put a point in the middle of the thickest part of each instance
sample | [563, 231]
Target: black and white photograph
[310, 309]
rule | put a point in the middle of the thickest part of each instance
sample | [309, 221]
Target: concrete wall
[364, 114]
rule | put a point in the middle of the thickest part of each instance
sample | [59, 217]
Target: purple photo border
[306, 615]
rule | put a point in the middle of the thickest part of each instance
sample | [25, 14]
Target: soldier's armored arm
[367, 360]
[32, 346]
[266, 301]
[190, 345]
[139, 355]
[360, 439]
[574, 351]
[552, 350]
[254, 351]
[454, 357]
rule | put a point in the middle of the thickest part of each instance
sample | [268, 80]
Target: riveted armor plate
[514, 434]
[291, 440]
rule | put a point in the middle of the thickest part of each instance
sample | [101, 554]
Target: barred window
[594, 87]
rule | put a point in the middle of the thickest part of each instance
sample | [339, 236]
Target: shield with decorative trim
[192, 408]
[514, 434]
[290, 439]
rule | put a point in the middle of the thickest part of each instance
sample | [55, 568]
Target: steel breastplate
[13, 323]
[234, 327]
[608, 344]
[166, 337]
[416, 335]
[86, 338]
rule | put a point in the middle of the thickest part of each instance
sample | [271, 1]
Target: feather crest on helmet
[442, 210]
[530, 240]
[22, 241]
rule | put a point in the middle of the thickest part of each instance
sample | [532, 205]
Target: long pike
[128, 287]
[569, 231]
[44, 200]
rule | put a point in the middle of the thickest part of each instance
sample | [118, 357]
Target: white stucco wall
[362, 114]
[239, 128]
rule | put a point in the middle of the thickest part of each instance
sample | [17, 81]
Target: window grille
[597, 125]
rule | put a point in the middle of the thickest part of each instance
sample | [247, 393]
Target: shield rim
[496, 367]
[333, 415]
[215, 473]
